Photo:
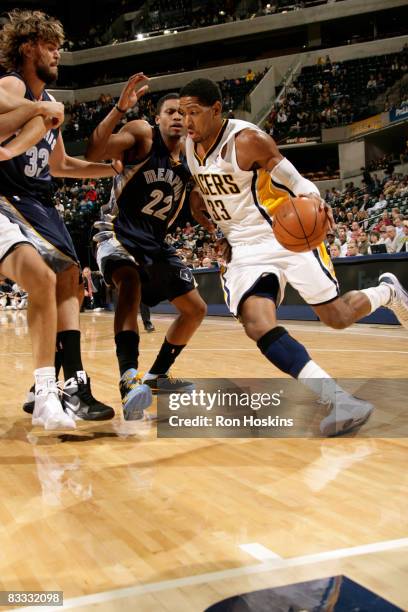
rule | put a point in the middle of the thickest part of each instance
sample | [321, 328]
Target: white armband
[285, 174]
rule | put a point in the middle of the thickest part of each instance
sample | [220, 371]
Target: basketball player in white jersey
[243, 178]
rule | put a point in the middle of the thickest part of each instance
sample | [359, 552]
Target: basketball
[299, 224]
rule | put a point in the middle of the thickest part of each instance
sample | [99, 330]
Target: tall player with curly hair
[36, 249]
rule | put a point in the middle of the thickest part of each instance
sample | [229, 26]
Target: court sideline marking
[272, 564]
[235, 350]
[357, 329]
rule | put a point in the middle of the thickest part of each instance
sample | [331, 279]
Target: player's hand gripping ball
[301, 224]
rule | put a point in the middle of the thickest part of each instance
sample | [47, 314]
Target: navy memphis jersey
[147, 197]
[29, 174]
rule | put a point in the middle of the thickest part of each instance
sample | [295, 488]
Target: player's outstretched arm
[102, 143]
[62, 165]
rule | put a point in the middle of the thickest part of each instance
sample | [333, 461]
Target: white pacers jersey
[237, 200]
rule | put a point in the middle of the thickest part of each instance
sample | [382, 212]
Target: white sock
[320, 382]
[44, 377]
[378, 296]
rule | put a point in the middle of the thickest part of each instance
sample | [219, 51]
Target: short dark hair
[205, 90]
[163, 99]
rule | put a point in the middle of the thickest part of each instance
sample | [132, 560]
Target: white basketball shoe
[399, 297]
[48, 410]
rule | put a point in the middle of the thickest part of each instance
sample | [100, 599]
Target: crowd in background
[332, 94]
[369, 220]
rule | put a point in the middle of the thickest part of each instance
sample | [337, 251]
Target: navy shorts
[42, 227]
[164, 279]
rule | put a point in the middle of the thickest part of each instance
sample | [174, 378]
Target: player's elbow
[90, 155]
[57, 171]
[93, 152]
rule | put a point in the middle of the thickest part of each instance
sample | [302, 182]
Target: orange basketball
[299, 224]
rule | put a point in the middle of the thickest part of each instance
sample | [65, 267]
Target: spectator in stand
[391, 240]
[363, 243]
[371, 83]
[199, 243]
[382, 203]
[250, 75]
[374, 239]
[384, 221]
[399, 224]
[207, 263]
[383, 234]
[342, 233]
[331, 239]
[352, 249]
[335, 251]
[402, 240]
[281, 117]
[367, 180]
[188, 230]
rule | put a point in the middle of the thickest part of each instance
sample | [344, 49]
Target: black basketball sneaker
[167, 384]
[28, 405]
[79, 402]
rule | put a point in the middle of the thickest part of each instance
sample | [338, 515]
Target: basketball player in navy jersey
[29, 48]
[243, 177]
[20, 261]
[146, 199]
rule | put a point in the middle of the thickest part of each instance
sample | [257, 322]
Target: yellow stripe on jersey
[326, 259]
[268, 195]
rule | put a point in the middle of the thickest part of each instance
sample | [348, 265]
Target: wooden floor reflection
[109, 506]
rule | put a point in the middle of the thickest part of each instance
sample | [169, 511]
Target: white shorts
[311, 274]
[109, 251]
[10, 237]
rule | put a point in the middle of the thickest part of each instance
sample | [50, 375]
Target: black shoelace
[84, 392]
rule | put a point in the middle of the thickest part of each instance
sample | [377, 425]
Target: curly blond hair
[26, 26]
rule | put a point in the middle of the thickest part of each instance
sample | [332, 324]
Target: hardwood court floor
[121, 520]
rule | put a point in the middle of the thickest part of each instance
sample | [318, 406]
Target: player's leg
[136, 397]
[312, 275]
[258, 316]
[355, 305]
[78, 397]
[28, 405]
[175, 282]
[27, 268]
